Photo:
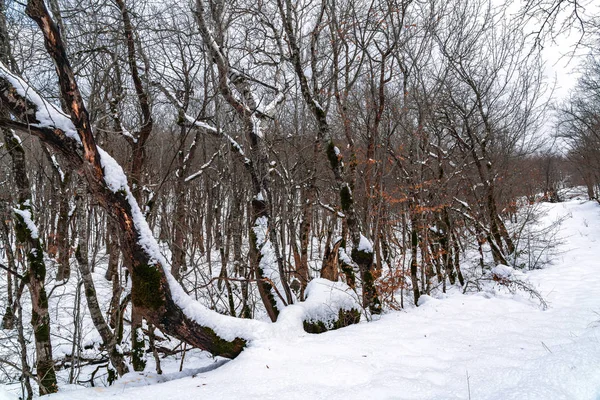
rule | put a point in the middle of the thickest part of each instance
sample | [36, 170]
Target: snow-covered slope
[484, 346]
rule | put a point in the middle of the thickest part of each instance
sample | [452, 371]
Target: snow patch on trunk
[268, 262]
[365, 245]
[27, 218]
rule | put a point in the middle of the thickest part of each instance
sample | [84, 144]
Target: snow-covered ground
[490, 345]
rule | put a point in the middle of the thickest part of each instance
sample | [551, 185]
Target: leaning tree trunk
[109, 339]
[154, 293]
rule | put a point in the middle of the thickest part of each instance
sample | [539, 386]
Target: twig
[468, 385]
[546, 347]
[4, 267]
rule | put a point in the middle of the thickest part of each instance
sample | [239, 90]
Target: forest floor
[491, 345]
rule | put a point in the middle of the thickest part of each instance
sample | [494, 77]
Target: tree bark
[109, 339]
[27, 237]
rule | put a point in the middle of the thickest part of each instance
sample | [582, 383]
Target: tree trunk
[112, 248]
[8, 319]
[27, 236]
[81, 254]
[414, 246]
[62, 226]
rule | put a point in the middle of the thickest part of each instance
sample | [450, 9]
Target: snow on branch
[195, 122]
[198, 124]
[29, 105]
[56, 165]
[39, 112]
[331, 209]
[27, 219]
[462, 203]
[215, 132]
[202, 168]
[269, 110]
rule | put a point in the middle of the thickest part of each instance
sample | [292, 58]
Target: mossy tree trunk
[35, 276]
[8, 318]
[27, 237]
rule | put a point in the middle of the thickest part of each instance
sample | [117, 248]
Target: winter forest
[299, 199]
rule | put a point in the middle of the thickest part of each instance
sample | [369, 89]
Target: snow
[493, 345]
[268, 262]
[324, 298]
[365, 244]
[57, 167]
[16, 137]
[270, 108]
[47, 114]
[256, 127]
[114, 176]
[503, 271]
[345, 258]
[462, 203]
[200, 124]
[202, 167]
[128, 134]
[209, 128]
[26, 215]
[435, 229]
[4, 395]
[330, 208]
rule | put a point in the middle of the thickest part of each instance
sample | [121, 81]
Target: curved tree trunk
[72, 137]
